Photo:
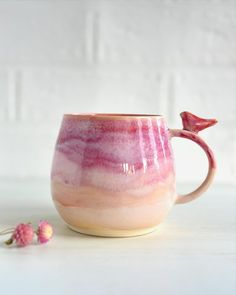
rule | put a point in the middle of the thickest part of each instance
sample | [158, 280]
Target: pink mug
[113, 174]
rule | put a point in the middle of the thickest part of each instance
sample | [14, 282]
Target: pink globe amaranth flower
[23, 235]
[44, 232]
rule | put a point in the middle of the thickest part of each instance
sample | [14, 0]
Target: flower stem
[7, 231]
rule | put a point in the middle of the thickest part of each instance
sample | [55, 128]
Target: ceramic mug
[113, 174]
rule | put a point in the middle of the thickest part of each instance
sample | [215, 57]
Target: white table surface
[193, 252]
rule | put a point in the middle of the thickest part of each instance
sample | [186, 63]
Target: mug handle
[192, 125]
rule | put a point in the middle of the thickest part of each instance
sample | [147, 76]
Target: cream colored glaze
[122, 218]
[100, 212]
[115, 233]
[86, 196]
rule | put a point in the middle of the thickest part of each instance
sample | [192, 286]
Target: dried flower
[44, 232]
[23, 235]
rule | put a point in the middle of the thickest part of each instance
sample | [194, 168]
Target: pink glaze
[113, 173]
[139, 148]
[114, 143]
[194, 123]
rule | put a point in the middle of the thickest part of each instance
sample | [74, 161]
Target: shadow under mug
[113, 174]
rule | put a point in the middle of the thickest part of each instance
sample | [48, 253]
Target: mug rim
[100, 116]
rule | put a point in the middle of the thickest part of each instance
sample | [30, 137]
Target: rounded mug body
[113, 175]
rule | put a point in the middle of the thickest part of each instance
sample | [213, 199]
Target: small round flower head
[23, 234]
[44, 232]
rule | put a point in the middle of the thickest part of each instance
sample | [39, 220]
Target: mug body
[113, 175]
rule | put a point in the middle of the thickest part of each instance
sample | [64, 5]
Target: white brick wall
[161, 56]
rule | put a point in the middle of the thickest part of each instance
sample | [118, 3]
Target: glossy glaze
[194, 123]
[113, 174]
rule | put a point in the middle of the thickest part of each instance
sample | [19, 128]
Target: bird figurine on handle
[194, 123]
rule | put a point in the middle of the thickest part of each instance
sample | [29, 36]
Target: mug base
[112, 233]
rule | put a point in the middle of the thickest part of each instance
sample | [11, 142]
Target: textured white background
[162, 56]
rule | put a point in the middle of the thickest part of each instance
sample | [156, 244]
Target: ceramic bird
[194, 123]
